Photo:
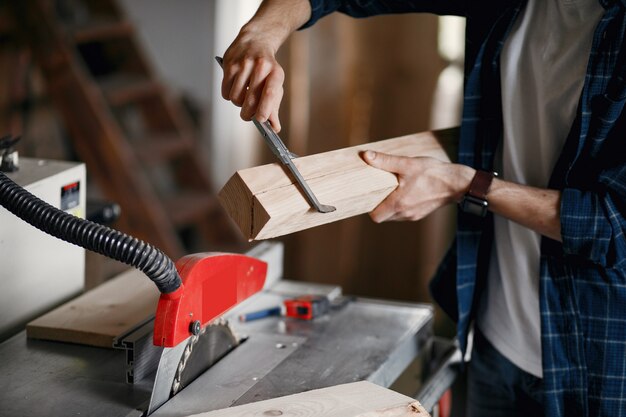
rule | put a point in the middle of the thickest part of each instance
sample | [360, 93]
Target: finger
[275, 122]
[391, 163]
[241, 81]
[381, 214]
[271, 96]
[398, 217]
[250, 104]
[253, 96]
[230, 72]
[385, 210]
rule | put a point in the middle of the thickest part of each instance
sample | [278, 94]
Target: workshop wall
[349, 82]
[203, 29]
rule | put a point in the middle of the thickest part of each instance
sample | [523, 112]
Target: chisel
[279, 149]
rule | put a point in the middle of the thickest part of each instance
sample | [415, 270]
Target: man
[541, 277]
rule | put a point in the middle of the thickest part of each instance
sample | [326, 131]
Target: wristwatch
[475, 200]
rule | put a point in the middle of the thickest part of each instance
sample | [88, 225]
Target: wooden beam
[358, 399]
[98, 316]
[265, 202]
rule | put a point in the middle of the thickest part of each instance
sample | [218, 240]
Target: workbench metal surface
[41, 378]
[364, 340]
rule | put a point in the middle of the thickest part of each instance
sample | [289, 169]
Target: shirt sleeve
[593, 223]
[365, 8]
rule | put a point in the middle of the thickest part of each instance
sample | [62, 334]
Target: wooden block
[98, 316]
[358, 399]
[265, 202]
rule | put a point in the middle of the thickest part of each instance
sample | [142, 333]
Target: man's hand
[253, 79]
[424, 185]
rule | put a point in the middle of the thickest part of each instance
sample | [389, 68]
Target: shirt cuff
[585, 229]
[319, 9]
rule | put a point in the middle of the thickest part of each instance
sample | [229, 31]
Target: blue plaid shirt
[583, 279]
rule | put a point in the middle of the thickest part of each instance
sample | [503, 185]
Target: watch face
[474, 205]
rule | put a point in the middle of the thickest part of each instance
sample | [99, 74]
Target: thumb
[384, 161]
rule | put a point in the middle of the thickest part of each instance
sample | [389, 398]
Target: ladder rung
[102, 31]
[127, 89]
[161, 148]
[189, 207]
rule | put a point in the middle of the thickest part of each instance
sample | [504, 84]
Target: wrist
[275, 20]
[272, 37]
[475, 201]
[463, 176]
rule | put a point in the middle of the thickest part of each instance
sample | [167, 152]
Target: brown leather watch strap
[479, 187]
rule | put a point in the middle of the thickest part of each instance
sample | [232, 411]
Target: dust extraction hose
[89, 235]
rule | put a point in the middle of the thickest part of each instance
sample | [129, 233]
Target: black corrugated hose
[92, 236]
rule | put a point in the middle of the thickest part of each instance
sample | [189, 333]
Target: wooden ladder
[137, 141]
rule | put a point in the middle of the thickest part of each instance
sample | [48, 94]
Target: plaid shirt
[582, 292]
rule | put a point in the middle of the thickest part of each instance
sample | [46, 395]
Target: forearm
[535, 208]
[275, 20]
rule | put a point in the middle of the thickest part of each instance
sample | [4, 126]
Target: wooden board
[358, 399]
[98, 316]
[265, 203]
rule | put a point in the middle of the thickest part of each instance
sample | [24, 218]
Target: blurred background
[130, 87]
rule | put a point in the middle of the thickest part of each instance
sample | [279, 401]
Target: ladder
[136, 140]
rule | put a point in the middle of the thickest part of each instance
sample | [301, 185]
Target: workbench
[364, 339]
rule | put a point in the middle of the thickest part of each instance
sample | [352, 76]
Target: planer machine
[194, 356]
[230, 362]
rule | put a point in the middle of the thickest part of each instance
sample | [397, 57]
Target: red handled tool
[307, 307]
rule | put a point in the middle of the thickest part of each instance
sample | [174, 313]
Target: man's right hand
[253, 79]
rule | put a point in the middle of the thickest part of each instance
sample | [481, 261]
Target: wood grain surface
[265, 202]
[358, 399]
[98, 316]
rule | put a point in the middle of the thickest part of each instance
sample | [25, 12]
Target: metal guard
[213, 283]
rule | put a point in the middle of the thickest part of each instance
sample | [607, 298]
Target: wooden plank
[265, 203]
[98, 316]
[358, 399]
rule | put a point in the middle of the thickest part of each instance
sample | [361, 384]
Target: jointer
[190, 354]
[362, 339]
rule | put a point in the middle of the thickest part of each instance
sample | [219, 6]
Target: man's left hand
[424, 185]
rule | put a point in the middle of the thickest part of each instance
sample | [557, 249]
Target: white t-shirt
[543, 66]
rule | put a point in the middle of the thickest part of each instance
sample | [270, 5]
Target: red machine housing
[213, 283]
